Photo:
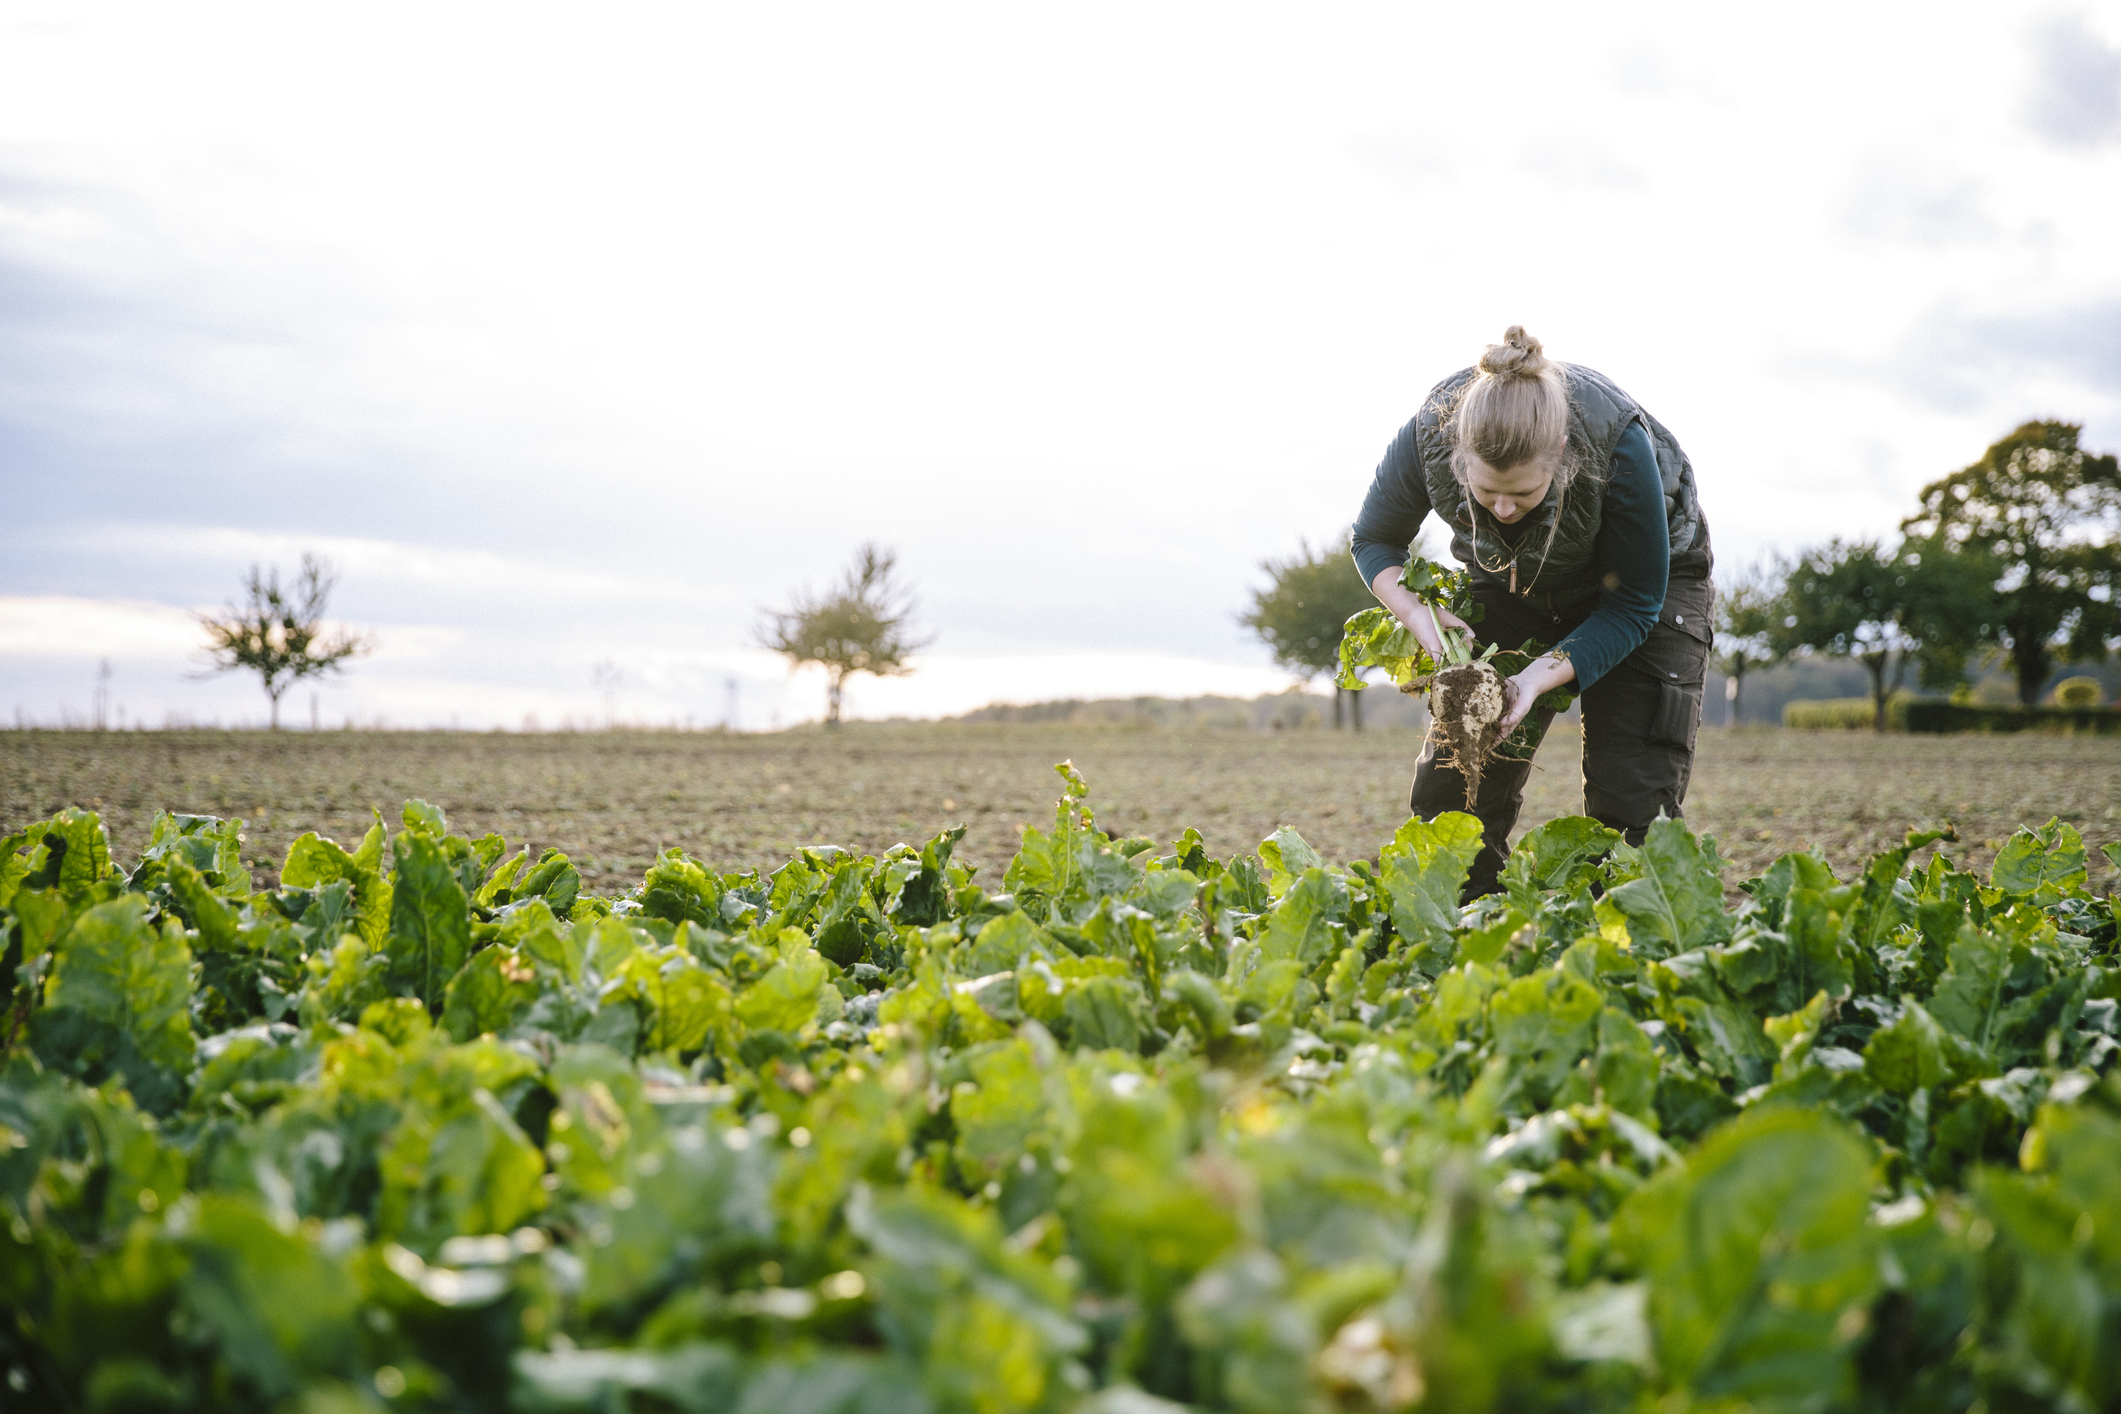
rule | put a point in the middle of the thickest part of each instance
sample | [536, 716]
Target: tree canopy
[864, 624]
[1883, 608]
[278, 633]
[2037, 518]
[1299, 615]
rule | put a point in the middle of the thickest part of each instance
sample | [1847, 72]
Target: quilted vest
[1558, 561]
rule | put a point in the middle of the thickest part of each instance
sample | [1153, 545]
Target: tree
[1882, 608]
[863, 625]
[1746, 615]
[279, 634]
[1299, 616]
[2038, 516]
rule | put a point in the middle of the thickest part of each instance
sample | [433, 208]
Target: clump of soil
[1466, 705]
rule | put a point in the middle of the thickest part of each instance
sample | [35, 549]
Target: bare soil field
[612, 800]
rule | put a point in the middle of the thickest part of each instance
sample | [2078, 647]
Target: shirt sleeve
[1393, 511]
[1634, 553]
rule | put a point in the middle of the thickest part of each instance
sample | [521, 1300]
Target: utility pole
[605, 676]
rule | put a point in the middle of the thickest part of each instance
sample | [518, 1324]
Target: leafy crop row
[428, 1127]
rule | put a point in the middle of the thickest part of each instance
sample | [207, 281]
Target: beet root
[1466, 706]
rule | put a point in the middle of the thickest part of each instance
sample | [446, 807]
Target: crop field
[613, 800]
[433, 1123]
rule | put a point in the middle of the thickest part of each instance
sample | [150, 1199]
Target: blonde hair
[1516, 409]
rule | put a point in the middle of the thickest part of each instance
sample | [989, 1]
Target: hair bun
[1519, 355]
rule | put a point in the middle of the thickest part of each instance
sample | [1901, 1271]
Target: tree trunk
[1355, 707]
[1336, 707]
[2031, 662]
[273, 722]
[832, 700]
[1875, 664]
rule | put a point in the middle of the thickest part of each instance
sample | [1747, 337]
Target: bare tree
[864, 624]
[279, 633]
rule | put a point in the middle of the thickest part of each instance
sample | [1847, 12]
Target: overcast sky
[573, 335]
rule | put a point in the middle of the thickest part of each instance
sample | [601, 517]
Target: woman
[1576, 512]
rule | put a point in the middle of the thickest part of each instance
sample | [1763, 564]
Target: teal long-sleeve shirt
[1633, 549]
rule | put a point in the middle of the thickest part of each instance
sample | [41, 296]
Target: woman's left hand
[1541, 676]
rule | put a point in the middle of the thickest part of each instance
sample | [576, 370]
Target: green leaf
[685, 1002]
[1373, 638]
[1000, 1108]
[457, 1163]
[1988, 994]
[14, 864]
[212, 847]
[1677, 903]
[1286, 856]
[1557, 855]
[1106, 1013]
[679, 889]
[313, 861]
[430, 920]
[116, 968]
[2045, 865]
[1423, 870]
[786, 997]
[1543, 1023]
[218, 924]
[424, 819]
[1626, 1065]
[69, 853]
[281, 1315]
[1909, 1054]
[1308, 924]
[1757, 1251]
[489, 994]
[848, 917]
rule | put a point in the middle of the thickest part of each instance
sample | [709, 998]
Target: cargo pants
[1639, 721]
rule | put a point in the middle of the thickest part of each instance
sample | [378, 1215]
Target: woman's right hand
[1414, 614]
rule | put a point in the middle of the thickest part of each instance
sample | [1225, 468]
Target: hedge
[1935, 715]
[1847, 714]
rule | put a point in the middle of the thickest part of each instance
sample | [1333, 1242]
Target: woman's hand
[1415, 614]
[1543, 675]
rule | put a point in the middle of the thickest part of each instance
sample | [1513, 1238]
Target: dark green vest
[1599, 412]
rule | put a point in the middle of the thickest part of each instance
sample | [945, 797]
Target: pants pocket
[1672, 722]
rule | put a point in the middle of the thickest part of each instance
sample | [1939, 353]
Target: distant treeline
[1384, 707]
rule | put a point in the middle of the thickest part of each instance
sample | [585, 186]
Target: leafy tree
[2039, 517]
[1299, 615]
[279, 633]
[1746, 616]
[862, 625]
[1882, 608]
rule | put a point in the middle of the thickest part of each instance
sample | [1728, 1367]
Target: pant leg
[1507, 620]
[1640, 721]
[1439, 788]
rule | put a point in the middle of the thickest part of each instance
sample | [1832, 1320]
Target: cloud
[2072, 98]
[1579, 163]
[1902, 200]
[1956, 359]
[1642, 70]
[55, 626]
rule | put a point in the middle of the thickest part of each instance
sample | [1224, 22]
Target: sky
[576, 337]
